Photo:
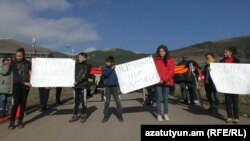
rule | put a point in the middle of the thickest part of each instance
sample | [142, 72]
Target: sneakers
[159, 118]
[74, 118]
[105, 119]
[236, 121]
[120, 119]
[83, 118]
[229, 120]
[166, 117]
[196, 101]
[11, 126]
[20, 125]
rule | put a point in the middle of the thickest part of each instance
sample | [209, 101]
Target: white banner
[231, 78]
[52, 72]
[137, 74]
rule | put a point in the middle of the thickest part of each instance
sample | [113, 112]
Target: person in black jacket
[232, 100]
[187, 82]
[80, 90]
[21, 85]
[210, 88]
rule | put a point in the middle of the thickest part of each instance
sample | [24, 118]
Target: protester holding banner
[165, 67]
[211, 92]
[21, 69]
[232, 100]
[58, 95]
[44, 97]
[80, 90]
[111, 88]
[6, 86]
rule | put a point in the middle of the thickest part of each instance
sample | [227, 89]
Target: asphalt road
[53, 125]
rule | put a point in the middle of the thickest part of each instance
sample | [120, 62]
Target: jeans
[108, 92]
[232, 105]
[162, 92]
[212, 95]
[5, 101]
[80, 97]
[20, 94]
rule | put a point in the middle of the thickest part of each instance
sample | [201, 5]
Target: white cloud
[90, 49]
[40, 5]
[18, 22]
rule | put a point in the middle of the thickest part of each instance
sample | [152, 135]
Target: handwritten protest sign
[137, 74]
[231, 78]
[52, 72]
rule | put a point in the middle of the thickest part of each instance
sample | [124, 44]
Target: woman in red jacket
[165, 67]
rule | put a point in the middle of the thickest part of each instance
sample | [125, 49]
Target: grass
[33, 98]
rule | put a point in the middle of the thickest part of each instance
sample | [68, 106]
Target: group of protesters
[15, 84]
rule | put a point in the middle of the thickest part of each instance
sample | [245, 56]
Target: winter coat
[21, 71]
[110, 77]
[207, 76]
[6, 79]
[235, 60]
[166, 72]
[81, 75]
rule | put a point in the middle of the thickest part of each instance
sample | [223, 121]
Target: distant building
[9, 47]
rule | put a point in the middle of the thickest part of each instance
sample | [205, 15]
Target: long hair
[167, 55]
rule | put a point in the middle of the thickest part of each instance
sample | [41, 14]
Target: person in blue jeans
[6, 85]
[165, 67]
[111, 88]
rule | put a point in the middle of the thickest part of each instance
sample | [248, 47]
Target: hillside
[198, 50]
[9, 46]
[195, 52]
[120, 55]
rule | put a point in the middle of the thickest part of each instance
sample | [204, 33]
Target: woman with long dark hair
[232, 100]
[165, 67]
[21, 85]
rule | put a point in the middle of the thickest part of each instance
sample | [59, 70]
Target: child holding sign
[111, 88]
[165, 67]
[232, 100]
[80, 89]
[210, 89]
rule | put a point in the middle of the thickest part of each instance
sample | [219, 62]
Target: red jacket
[166, 73]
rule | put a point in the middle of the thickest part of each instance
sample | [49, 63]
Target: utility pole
[68, 46]
[33, 45]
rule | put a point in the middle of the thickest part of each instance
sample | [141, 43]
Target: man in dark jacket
[187, 81]
[80, 89]
[210, 88]
[111, 88]
[21, 69]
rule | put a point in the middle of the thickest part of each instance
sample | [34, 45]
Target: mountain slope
[120, 55]
[241, 43]
[198, 50]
